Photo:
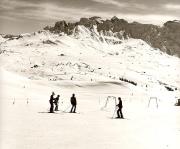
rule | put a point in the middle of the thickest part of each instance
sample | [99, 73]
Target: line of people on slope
[55, 101]
[73, 101]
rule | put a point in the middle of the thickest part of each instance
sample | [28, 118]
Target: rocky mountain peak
[117, 20]
[114, 18]
[165, 38]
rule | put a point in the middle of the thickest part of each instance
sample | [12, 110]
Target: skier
[120, 106]
[56, 102]
[51, 101]
[73, 103]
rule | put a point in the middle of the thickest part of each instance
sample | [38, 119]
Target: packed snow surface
[26, 123]
[92, 66]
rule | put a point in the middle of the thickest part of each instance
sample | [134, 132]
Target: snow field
[31, 126]
[88, 64]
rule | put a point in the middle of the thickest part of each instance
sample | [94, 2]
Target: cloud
[122, 4]
[172, 6]
[150, 19]
[38, 11]
[54, 9]
[44, 11]
[28, 10]
[112, 2]
[13, 4]
[3, 17]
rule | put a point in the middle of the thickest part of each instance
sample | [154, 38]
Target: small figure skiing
[73, 103]
[120, 106]
[51, 101]
[56, 102]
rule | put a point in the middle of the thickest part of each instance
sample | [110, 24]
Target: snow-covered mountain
[98, 67]
[166, 37]
[89, 55]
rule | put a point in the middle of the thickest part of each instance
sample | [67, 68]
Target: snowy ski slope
[89, 64]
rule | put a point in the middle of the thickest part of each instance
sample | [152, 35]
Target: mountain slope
[26, 123]
[166, 38]
[88, 55]
[93, 65]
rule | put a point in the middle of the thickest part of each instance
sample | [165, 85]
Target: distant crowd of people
[54, 102]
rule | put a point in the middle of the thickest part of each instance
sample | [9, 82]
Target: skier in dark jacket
[56, 102]
[120, 106]
[51, 101]
[73, 103]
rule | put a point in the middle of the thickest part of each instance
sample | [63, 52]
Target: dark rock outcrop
[166, 38]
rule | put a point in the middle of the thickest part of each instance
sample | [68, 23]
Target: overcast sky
[20, 16]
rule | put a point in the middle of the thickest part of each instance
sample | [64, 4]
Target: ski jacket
[51, 99]
[56, 100]
[120, 104]
[73, 101]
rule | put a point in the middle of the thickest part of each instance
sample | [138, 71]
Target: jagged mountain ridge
[166, 38]
[88, 55]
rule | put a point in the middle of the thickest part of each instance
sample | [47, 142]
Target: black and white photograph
[89, 74]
